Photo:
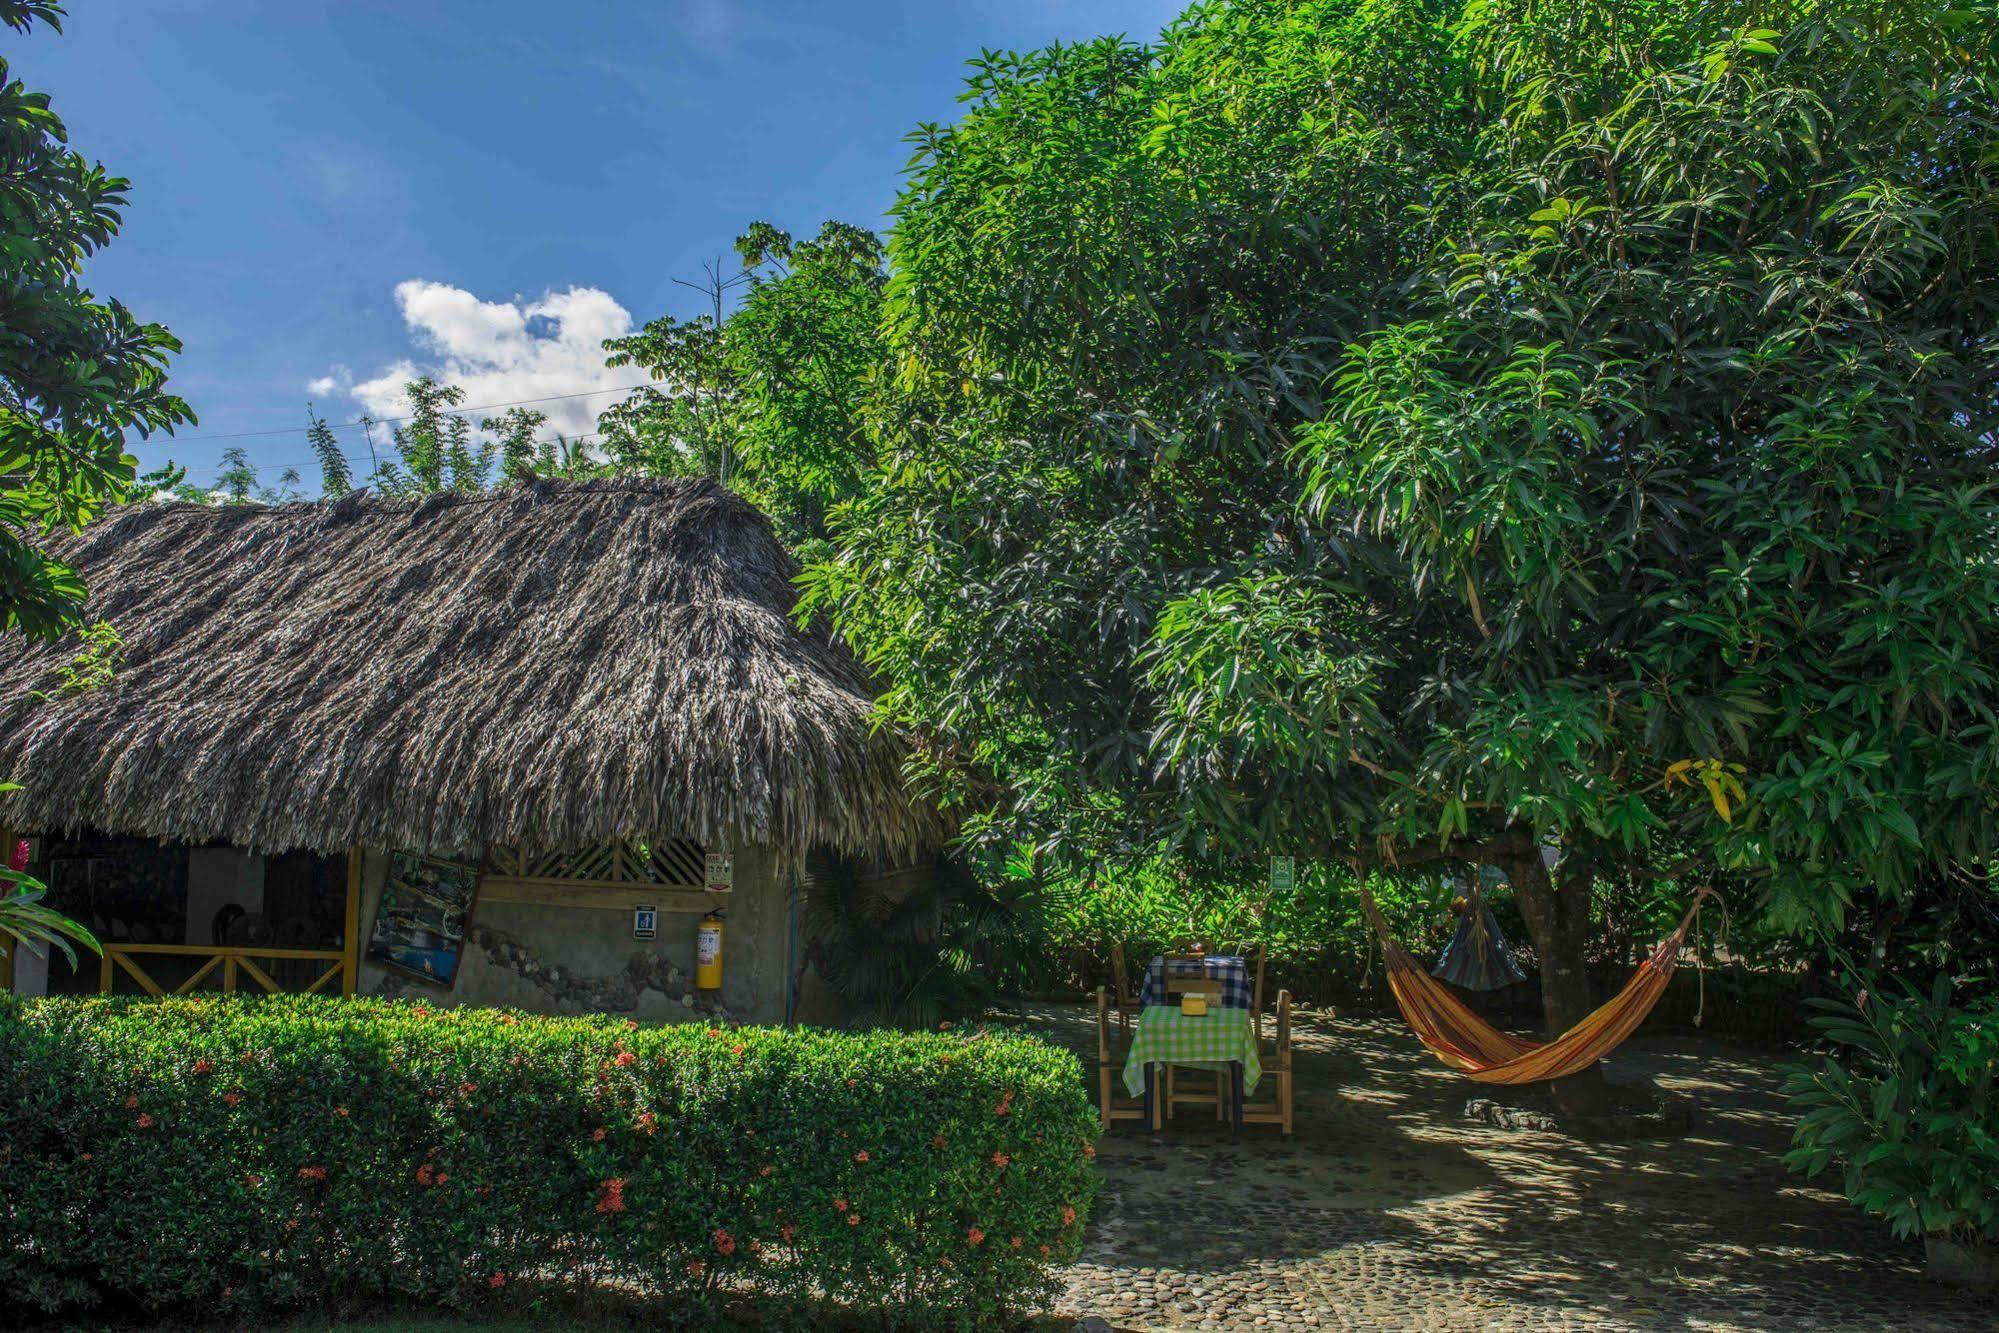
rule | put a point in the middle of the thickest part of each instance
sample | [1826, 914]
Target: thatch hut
[464, 741]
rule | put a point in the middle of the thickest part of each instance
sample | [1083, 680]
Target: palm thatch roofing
[548, 666]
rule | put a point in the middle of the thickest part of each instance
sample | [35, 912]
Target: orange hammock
[1466, 1042]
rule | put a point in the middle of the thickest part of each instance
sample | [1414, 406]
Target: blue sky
[330, 193]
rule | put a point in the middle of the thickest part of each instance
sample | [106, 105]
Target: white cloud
[501, 352]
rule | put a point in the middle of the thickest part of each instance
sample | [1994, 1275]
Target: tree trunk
[1557, 916]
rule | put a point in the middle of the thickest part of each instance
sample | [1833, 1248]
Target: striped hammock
[1474, 1047]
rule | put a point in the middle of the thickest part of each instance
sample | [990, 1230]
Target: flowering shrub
[275, 1155]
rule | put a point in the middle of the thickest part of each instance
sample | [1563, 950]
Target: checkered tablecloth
[1229, 969]
[1168, 1037]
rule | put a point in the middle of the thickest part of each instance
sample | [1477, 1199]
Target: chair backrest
[1256, 994]
[1118, 977]
[1284, 1024]
[1103, 1027]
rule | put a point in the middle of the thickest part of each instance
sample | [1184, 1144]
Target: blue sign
[645, 923]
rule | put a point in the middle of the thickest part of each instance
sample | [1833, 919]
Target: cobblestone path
[1390, 1211]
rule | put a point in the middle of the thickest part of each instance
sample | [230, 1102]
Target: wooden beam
[218, 950]
[597, 894]
[339, 969]
[146, 983]
[350, 942]
[257, 974]
[195, 980]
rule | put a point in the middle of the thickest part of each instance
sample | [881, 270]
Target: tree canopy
[77, 371]
[1357, 427]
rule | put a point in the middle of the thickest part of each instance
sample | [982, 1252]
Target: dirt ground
[1389, 1210]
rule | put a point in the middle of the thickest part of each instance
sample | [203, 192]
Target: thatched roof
[552, 665]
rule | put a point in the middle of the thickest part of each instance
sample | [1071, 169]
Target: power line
[383, 421]
[358, 459]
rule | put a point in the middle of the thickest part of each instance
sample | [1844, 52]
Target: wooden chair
[1108, 1082]
[1127, 999]
[1276, 1061]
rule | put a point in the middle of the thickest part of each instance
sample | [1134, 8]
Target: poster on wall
[420, 926]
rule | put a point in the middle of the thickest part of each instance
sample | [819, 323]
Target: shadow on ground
[1390, 1210]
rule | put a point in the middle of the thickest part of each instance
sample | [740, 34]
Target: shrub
[1904, 1104]
[295, 1153]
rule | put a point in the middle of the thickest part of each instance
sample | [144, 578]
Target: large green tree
[77, 372]
[1390, 429]
[775, 400]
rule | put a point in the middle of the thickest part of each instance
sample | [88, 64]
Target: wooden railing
[231, 959]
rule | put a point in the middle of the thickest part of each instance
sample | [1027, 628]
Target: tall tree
[1401, 429]
[336, 478]
[772, 398]
[77, 372]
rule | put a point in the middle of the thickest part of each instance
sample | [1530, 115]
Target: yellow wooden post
[350, 968]
[104, 971]
[229, 974]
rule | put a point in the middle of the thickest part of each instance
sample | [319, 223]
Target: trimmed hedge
[250, 1157]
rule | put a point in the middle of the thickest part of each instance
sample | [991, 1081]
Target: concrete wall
[573, 960]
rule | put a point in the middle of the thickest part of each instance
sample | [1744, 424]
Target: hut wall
[572, 960]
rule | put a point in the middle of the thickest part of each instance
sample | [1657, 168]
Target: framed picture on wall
[421, 923]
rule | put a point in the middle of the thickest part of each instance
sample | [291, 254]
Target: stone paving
[1388, 1210]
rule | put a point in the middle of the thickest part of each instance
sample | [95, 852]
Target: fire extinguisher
[708, 953]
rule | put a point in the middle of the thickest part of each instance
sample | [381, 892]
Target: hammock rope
[1474, 1047]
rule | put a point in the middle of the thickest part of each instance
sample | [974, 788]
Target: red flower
[132, 1102]
[1016, 1242]
[443, 1177]
[231, 1098]
[597, 1135]
[631, 1025]
[696, 1267]
[976, 1236]
[724, 1242]
[312, 1173]
[202, 1066]
[252, 1179]
[737, 1049]
[937, 1141]
[497, 1280]
[1089, 1152]
[340, 1111]
[625, 1059]
[648, 1121]
[611, 1195]
[1001, 1160]
[1045, 1250]
[145, 1121]
[861, 1156]
[787, 1231]
[467, 1089]
[767, 1169]
[853, 1219]
[839, 1205]
[484, 1191]
[426, 1175]
[1068, 1215]
[714, 1032]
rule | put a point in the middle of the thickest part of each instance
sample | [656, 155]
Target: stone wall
[570, 960]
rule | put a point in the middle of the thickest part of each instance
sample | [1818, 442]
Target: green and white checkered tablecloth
[1167, 1036]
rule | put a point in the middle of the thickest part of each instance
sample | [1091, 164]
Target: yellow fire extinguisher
[708, 953]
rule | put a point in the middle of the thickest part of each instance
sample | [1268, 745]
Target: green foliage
[100, 653]
[920, 947]
[437, 449]
[1343, 425]
[239, 1159]
[335, 477]
[516, 429]
[76, 372]
[1904, 1105]
[773, 399]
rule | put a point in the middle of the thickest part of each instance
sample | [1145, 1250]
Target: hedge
[252, 1157]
